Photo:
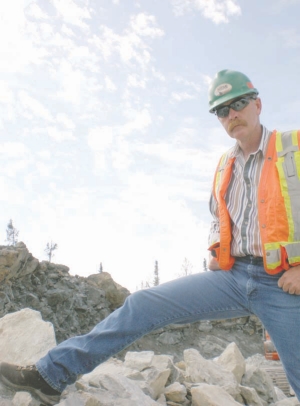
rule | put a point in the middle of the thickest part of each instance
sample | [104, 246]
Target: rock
[288, 402]
[261, 382]
[119, 391]
[211, 395]
[279, 393]
[24, 399]
[176, 392]
[115, 293]
[16, 261]
[170, 338]
[198, 369]
[162, 362]
[232, 360]
[139, 360]
[251, 397]
[25, 337]
[154, 381]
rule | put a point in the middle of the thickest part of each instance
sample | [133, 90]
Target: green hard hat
[227, 85]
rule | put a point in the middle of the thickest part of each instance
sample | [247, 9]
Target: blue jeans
[244, 290]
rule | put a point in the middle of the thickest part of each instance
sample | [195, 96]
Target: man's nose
[232, 114]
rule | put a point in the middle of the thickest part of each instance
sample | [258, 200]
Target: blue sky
[107, 147]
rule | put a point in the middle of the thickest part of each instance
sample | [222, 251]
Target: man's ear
[258, 105]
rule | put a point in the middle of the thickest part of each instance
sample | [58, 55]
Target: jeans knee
[142, 298]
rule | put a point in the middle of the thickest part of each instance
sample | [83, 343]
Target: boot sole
[47, 399]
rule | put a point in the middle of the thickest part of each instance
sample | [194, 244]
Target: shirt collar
[236, 151]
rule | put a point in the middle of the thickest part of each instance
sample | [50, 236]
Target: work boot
[28, 379]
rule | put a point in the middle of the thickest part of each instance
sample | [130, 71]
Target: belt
[251, 259]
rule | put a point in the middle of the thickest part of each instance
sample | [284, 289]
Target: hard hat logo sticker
[223, 89]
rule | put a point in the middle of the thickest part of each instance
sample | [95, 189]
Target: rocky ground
[73, 305]
[144, 378]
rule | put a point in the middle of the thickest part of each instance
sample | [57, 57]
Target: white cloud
[219, 11]
[72, 82]
[16, 50]
[59, 135]
[121, 156]
[109, 145]
[71, 13]
[145, 26]
[65, 121]
[10, 193]
[207, 79]
[188, 83]
[158, 75]
[34, 106]
[43, 169]
[133, 80]
[180, 96]
[67, 31]
[34, 11]
[110, 85]
[45, 154]
[101, 138]
[13, 150]
[142, 119]
[131, 46]
[6, 94]
[15, 158]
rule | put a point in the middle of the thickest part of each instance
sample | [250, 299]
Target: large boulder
[25, 337]
[114, 292]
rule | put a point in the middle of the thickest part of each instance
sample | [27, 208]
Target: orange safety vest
[278, 204]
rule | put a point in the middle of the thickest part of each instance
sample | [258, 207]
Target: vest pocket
[297, 162]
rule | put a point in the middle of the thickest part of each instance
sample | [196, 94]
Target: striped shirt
[241, 201]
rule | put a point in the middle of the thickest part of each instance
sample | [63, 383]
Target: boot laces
[27, 368]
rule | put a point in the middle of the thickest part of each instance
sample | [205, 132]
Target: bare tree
[186, 268]
[156, 274]
[100, 270]
[205, 265]
[11, 233]
[50, 247]
[143, 285]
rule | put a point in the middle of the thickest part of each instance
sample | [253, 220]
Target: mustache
[236, 122]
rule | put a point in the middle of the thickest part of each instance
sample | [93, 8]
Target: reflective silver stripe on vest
[293, 251]
[273, 255]
[291, 168]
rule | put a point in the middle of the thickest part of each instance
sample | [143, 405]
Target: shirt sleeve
[214, 234]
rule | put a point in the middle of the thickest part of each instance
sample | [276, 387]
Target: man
[254, 255]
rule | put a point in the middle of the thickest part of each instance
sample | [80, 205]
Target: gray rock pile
[143, 378]
[72, 304]
[75, 304]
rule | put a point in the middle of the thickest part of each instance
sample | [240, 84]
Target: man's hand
[213, 264]
[290, 281]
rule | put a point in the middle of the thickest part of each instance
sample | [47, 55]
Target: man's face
[242, 124]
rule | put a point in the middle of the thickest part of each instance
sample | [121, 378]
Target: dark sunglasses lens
[222, 112]
[240, 104]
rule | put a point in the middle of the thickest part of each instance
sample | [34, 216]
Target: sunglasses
[237, 105]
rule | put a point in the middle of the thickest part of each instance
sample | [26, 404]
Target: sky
[107, 147]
